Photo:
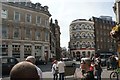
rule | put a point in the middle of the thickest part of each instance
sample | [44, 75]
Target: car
[39, 61]
[69, 62]
[104, 57]
[7, 64]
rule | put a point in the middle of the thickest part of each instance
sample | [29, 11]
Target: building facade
[103, 26]
[82, 36]
[25, 30]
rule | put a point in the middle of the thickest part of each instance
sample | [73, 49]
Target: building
[82, 42]
[55, 40]
[25, 30]
[103, 26]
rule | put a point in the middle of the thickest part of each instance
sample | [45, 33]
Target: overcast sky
[65, 11]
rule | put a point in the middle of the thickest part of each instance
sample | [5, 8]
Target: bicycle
[115, 74]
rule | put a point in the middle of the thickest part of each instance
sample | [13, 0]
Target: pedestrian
[113, 62]
[55, 70]
[61, 69]
[33, 60]
[98, 68]
[24, 71]
[88, 72]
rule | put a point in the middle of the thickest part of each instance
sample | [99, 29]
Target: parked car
[39, 61]
[7, 64]
[69, 62]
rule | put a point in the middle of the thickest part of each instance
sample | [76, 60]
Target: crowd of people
[90, 69]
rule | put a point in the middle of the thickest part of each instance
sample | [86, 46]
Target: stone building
[25, 30]
[82, 36]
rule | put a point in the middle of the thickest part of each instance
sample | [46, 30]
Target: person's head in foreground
[24, 71]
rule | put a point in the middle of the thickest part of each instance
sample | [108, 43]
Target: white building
[82, 41]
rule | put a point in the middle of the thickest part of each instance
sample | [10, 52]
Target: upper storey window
[16, 16]
[28, 18]
[28, 33]
[4, 32]
[4, 14]
[16, 33]
[46, 23]
[38, 19]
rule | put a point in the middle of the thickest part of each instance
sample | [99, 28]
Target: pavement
[48, 75]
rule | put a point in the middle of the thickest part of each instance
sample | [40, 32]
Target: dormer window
[38, 5]
[46, 8]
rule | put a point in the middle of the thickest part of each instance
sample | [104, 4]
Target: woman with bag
[55, 70]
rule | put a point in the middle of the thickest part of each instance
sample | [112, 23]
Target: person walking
[33, 60]
[86, 73]
[98, 68]
[55, 70]
[61, 69]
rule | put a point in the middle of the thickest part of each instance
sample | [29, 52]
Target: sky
[65, 11]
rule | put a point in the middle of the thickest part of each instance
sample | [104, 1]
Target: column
[33, 49]
[21, 52]
[10, 49]
[43, 52]
[49, 53]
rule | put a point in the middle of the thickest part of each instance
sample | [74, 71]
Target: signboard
[4, 14]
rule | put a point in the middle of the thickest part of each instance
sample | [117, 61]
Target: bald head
[24, 71]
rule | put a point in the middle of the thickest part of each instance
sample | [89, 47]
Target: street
[47, 75]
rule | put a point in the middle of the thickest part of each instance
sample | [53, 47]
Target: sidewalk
[48, 75]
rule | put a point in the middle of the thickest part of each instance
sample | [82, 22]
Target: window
[46, 36]
[77, 36]
[4, 32]
[83, 44]
[38, 19]
[28, 33]
[16, 16]
[83, 35]
[37, 34]
[16, 33]
[46, 23]
[77, 44]
[28, 18]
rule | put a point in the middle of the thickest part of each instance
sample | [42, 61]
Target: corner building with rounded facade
[25, 30]
[82, 43]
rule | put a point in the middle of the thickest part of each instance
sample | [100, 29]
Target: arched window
[83, 35]
[78, 44]
[93, 45]
[77, 27]
[83, 26]
[83, 44]
[77, 35]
